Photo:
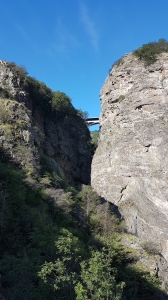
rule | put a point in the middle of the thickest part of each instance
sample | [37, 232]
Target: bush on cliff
[148, 52]
[61, 104]
[18, 71]
[38, 92]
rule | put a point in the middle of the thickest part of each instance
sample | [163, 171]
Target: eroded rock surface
[130, 166]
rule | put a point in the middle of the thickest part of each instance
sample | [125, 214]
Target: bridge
[92, 121]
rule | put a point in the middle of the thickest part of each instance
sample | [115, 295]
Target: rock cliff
[36, 131]
[130, 166]
[52, 231]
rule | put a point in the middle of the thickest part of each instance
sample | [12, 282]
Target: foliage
[150, 247]
[62, 273]
[148, 52]
[140, 284]
[117, 63]
[82, 114]
[39, 92]
[48, 253]
[18, 71]
[61, 104]
[88, 199]
[59, 241]
[95, 137]
[98, 277]
[106, 223]
[4, 113]
[4, 93]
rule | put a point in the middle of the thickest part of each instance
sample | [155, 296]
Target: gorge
[60, 238]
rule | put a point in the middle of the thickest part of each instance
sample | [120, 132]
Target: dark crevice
[121, 197]
[139, 107]
[148, 146]
[113, 101]
[124, 188]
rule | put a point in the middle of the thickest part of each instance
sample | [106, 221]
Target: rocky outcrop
[130, 166]
[64, 141]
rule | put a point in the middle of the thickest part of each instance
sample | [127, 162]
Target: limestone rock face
[130, 166]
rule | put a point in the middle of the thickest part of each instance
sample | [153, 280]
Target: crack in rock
[139, 107]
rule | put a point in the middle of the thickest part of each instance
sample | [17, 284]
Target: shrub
[19, 71]
[150, 247]
[95, 137]
[4, 93]
[148, 52]
[4, 113]
[117, 63]
[82, 114]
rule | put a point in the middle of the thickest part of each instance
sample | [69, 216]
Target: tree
[98, 278]
[62, 273]
[61, 104]
[82, 114]
[89, 200]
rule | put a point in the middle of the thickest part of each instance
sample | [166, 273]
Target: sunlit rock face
[130, 166]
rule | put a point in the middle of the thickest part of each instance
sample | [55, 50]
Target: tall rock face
[29, 129]
[130, 166]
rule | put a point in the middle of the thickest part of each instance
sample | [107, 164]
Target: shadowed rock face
[65, 140]
[130, 166]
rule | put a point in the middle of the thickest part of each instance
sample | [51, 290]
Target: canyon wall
[130, 166]
[63, 141]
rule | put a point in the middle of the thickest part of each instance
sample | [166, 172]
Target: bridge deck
[92, 121]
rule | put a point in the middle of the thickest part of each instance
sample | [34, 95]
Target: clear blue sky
[71, 44]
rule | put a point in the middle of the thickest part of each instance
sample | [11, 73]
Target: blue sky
[70, 45]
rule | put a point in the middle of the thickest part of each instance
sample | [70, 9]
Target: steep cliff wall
[63, 140]
[130, 166]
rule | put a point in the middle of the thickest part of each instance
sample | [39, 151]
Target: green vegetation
[82, 114]
[18, 71]
[61, 104]
[38, 92]
[58, 241]
[57, 102]
[4, 93]
[150, 248]
[117, 63]
[95, 137]
[148, 52]
[62, 245]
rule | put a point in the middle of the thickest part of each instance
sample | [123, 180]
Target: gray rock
[130, 166]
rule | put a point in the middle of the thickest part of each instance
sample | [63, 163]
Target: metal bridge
[92, 121]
